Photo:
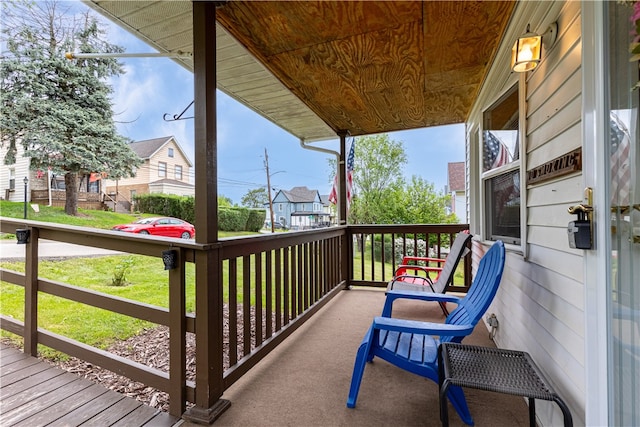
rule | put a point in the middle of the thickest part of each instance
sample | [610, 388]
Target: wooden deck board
[13, 377]
[33, 393]
[34, 379]
[10, 368]
[88, 410]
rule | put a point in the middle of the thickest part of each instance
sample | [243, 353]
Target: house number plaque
[563, 165]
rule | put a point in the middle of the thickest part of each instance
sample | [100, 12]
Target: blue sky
[152, 87]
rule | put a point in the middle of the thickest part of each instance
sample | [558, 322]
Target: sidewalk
[10, 250]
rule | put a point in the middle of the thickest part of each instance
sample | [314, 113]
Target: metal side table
[494, 369]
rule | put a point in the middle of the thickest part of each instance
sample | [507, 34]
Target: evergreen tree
[60, 110]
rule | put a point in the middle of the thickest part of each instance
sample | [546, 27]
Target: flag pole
[342, 180]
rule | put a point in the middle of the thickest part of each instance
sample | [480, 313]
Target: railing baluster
[246, 305]
[269, 294]
[301, 281]
[294, 283]
[286, 286]
[278, 291]
[258, 293]
[303, 269]
[233, 311]
[382, 249]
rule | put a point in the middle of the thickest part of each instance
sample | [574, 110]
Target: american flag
[495, 152]
[620, 171]
[333, 196]
[350, 160]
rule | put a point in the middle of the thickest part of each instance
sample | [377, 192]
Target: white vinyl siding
[540, 303]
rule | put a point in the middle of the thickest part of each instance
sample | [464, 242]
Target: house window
[279, 207]
[170, 153]
[501, 169]
[12, 179]
[178, 173]
[162, 169]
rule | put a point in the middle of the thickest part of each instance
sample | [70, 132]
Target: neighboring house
[45, 187]
[456, 188]
[166, 169]
[299, 208]
[12, 176]
[329, 209]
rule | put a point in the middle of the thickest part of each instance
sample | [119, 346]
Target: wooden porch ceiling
[315, 68]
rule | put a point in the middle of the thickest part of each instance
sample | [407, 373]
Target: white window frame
[520, 164]
[177, 172]
[170, 152]
[162, 169]
[12, 178]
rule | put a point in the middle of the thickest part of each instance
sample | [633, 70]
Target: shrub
[120, 272]
[183, 207]
[411, 250]
[255, 220]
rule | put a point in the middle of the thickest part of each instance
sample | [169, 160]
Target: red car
[164, 226]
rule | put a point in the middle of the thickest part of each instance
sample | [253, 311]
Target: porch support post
[30, 333]
[209, 370]
[345, 252]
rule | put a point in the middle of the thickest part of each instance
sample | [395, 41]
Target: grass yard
[86, 218]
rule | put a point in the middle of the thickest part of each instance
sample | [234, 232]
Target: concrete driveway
[10, 250]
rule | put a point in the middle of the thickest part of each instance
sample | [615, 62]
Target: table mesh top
[494, 369]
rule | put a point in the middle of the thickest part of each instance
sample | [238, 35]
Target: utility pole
[266, 165]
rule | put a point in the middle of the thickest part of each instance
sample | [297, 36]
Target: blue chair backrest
[483, 289]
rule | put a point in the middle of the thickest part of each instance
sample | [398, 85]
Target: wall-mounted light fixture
[170, 259]
[527, 50]
[22, 235]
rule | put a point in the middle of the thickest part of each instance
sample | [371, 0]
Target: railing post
[209, 340]
[31, 294]
[177, 338]
[346, 257]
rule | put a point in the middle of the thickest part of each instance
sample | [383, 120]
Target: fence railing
[378, 249]
[250, 294]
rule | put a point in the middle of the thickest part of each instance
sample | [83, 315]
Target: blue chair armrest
[418, 327]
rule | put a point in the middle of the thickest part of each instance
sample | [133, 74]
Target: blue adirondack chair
[410, 344]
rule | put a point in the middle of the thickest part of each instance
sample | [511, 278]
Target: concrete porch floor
[305, 381]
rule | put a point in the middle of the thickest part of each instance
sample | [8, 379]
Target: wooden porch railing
[272, 284]
[377, 250]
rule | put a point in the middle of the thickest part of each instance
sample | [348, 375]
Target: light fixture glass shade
[23, 235]
[526, 51]
[170, 259]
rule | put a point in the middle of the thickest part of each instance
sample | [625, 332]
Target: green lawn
[86, 218]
